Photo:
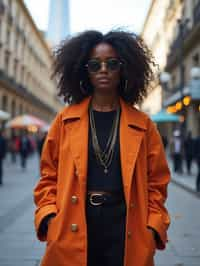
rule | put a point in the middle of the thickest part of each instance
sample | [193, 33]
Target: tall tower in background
[59, 25]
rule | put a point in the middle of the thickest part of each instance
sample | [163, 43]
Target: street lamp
[164, 79]
[195, 73]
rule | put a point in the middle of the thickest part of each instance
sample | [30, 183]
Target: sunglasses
[112, 64]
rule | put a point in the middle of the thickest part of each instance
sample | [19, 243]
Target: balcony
[10, 19]
[196, 13]
[192, 90]
[23, 91]
[187, 43]
[176, 46]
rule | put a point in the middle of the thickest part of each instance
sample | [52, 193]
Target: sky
[101, 15]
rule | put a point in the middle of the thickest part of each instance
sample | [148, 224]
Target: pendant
[105, 170]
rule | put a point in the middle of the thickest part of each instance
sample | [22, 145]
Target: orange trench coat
[62, 187]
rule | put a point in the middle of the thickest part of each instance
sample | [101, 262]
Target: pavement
[184, 180]
[19, 246]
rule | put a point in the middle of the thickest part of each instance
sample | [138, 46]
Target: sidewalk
[19, 246]
[187, 182]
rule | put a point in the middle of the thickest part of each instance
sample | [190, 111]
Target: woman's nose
[103, 67]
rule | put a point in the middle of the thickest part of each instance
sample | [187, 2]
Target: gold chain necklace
[104, 157]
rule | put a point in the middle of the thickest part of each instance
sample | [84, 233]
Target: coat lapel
[78, 114]
[131, 133]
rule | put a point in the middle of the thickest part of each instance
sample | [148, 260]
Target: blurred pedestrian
[40, 142]
[24, 148]
[176, 149]
[3, 149]
[104, 174]
[197, 156]
[189, 151]
[165, 141]
[13, 147]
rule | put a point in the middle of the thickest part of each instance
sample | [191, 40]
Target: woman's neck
[105, 103]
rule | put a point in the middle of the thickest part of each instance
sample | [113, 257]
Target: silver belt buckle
[91, 199]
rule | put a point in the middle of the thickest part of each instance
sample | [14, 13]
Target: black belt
[97, 198]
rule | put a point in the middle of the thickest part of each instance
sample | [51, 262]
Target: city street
[19, 246]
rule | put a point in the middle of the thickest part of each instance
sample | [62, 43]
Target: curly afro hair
[72, 55]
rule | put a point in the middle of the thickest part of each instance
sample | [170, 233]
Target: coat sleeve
[158, 179]
[45, 190]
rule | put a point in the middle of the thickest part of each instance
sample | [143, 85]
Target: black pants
[198, 176]
[188, 163]
[1, 171]
[106, 234]
[23, 160]
[177, 157]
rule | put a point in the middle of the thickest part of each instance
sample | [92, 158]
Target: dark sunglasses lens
[94, 65]
[113, 64]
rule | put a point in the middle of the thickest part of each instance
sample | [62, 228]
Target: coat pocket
[51, 229]
[151, 240]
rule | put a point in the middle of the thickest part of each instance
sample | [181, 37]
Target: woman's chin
[104, 89]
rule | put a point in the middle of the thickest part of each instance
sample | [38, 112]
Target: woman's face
[104, 68]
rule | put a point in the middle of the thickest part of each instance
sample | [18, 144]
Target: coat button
[129, 234]
[132, 205]
[76, 172]
[74, 199]
[74, 227]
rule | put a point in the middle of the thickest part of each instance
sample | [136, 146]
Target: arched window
[13, 108]
[20, 109]
[5, 103]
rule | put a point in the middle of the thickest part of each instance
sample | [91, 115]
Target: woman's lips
[103, 80]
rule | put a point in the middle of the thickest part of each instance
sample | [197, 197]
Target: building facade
[183, 63]
[25, 65]
[59, 26]
[172, 31]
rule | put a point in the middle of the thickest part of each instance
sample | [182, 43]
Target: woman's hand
[153, 232]
[50, 218]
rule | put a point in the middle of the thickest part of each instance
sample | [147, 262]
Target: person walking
[104, 175]
[189, 151]
[176, 149]
[197, 157]
[3, 149]
[13, 147]
[40, 142]
[165, 141]
[24, 148]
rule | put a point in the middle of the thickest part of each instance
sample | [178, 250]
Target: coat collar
[132, 116]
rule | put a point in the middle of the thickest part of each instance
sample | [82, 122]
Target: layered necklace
[104, 157]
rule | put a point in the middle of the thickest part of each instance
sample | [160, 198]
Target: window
[184, 71]
[0, 31]
[195, 2]
[174, 80]
[16, 41]
[195, 59]
[22, 75]
[13, 108]
[8, 37]
[15, 68]
[5, 103]
[10, 4]
[2, 8]
[7, 61]
[20, 109]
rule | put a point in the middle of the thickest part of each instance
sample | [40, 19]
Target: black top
[97, 179]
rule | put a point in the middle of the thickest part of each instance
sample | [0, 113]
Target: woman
[104, 176]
